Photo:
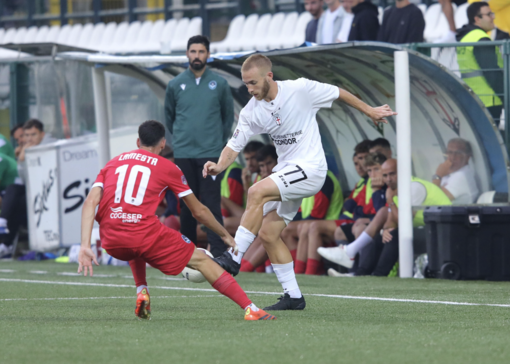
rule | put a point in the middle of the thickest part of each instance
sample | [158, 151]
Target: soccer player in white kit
[286, 111]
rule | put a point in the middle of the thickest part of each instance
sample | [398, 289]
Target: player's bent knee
[198, 259]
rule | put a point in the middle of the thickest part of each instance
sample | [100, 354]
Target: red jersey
[134, 183]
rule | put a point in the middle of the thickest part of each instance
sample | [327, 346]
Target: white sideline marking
[7, 271]
[37, 271]
[100, 298]
[68, 274]
[259, 292]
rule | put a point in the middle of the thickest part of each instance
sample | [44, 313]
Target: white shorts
[295, 183]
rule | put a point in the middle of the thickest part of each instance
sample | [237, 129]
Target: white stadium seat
[461, 18]
[180, 32]
[259, 35]
[2, 34]
[298, 37]
[127, 42]
[9, 36]
[52, 35]
[96, 37]
[234, 32]
[85, 35]
[42, 33]
[287, 30]
[118, 37]
[64, 34]
[152, 44]
[275, 25]
[31, 35]
[248, 29]
[194, 28]
[143, 36]
[166, 35]
[20, 35]
[74, 35]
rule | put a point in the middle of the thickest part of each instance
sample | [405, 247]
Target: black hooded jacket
[365, 24]
[486, 59]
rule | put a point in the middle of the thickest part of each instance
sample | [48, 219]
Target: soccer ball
[193, 275]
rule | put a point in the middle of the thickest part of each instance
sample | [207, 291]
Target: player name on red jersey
[139, 157]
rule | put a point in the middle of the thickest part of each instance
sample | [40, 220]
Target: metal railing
[446, 54]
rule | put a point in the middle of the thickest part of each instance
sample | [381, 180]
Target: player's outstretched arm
[203, 215]
[377, 114]
[227, 157]
[86, 256]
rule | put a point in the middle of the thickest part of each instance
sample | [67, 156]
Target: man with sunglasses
[481, 67]
[455, 176]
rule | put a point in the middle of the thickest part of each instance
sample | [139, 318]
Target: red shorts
[170, 251]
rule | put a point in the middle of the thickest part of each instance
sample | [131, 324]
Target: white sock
[252, 307]
[139, 289]
[243, 238]
[3, 222]
[362, 241]
[287, 278]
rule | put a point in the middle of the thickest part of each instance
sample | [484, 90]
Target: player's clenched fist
[211, 169]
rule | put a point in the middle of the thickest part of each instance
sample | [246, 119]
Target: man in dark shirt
[402, 23]
[365, 24]
[314, 7]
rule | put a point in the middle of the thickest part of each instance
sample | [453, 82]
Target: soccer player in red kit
[128, 190]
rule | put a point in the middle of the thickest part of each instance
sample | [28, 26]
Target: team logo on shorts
[185, 239]
[277, 119]
[184, 181]
[236, 133]
[212, 85]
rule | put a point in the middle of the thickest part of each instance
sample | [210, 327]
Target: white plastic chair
[234, 32]
[96, 37]
[274, 28]
[118, 37]
[179, 36]
[287, 30]
[247, 33]
[64, 34]
[259, 34]
[85, 35]
[42, 33]
[127, 44]
[31, 35]
[9, 36]
[298, 36]
[2, 34]
[74, 35]
[20, 35]
[143, 36]
[165, 38]
[460, 17]
[151, 44]
[194, 28]
[486, 197]
[436, 25]
[52, 35]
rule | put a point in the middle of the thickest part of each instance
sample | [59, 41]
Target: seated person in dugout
[381, 235]
[251, 173]
[322, 233]
[256, 255]
[455, 176]
[326, 204]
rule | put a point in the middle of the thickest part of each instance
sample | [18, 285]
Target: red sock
[228, 286]
[261, 269]
[246, 266]
[313, 267]
[293, 254]
[299, 267]
[138, 268]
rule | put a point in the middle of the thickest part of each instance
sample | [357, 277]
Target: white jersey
[290, 122]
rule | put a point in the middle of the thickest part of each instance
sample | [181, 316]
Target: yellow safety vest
[471, 72]
[335, 204]
[435, 197]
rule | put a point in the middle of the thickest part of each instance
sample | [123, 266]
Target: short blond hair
[257, 60]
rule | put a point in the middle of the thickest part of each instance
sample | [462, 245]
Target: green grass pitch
[48, 315]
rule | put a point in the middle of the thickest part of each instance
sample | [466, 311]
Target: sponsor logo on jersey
[184, 181]
[286, 139]
[212, 85]
[183, 86]
[128, 218]
[236, 133]
[185, 238]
